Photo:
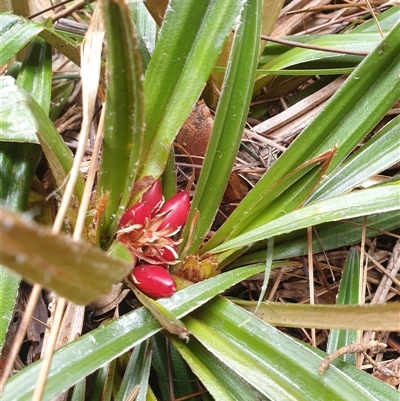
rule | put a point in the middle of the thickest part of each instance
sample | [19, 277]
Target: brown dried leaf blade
[75, 270]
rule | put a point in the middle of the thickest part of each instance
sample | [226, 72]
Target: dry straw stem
[312, 47]
[339, 6]
[385, 284]
[286, 24]
[275, 127]
[343, 317]
[362, 285]
[20, 335]
[90, 72]
[311, 277]
[298, 15]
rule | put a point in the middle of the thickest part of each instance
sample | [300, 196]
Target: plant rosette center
[149, 228]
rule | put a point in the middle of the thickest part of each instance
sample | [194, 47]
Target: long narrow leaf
[23, 118]
[137, 372]
[347, 118]
[168, 363]
[19, 162]
[102, 383]
[387, 20]
[191, 38]
[16, 32]
[356, 108]
[348, 294]
[368, 201]
[228, 386]
[281, 56]
[85, 355]
[229, 120]
[382, 317]
[330, 236]
[355, 42]
[278, 366]
[123, 126]
[378, 154]
[17, 122]
[36, 74]
[266, 204]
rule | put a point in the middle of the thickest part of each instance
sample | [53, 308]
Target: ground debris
[348, 349]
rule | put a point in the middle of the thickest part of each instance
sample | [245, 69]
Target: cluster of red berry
[148, 229]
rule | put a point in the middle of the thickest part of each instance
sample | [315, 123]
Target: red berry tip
[153, 196]
[176, 211]
[154, 281]
[169, 254]
[136, 214]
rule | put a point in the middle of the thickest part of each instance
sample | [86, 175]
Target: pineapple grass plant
[212, 340]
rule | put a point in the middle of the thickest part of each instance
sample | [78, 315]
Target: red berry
[168, 255]
[153, 196]
[136, 214]
[176, 209]
[152, 280]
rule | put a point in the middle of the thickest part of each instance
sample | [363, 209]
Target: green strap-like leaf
[19, 161]
[163, 315]
[330, 236]
[101, 387]
[360, 103]
[17, 122]
[123, 126]
[361, 42]
[168, 363]
[191, 38]
[278, 366]
[349, 291]
[387, 20]
[161, 364]
[15, 34]
[365, 202]
[229, 121]
[36, 74]
[221, 381]
[266, 204]
[94, 349]
[22, 118]
[381, 317]
[355, 108]
[79, 391]
[378, 154]
[137, 372]
[146, 30]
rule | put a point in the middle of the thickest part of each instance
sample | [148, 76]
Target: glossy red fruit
[154, 281]
[168, 255]
[153, 196]
[136, 214]
[176, 209]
